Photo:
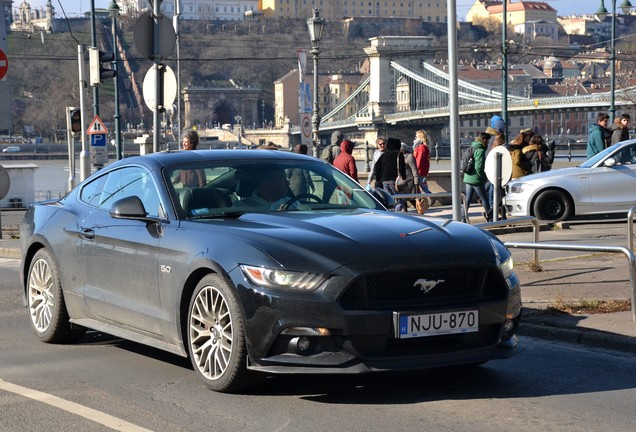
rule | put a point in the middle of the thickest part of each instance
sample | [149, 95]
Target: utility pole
[159, 67]
[94, 45]
[504, 67]
[175, 23]
[453, 102]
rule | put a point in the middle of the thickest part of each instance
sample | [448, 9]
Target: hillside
[44, 76]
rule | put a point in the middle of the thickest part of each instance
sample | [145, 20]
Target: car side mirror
[385, 198]
[130, 208]
[610, 162]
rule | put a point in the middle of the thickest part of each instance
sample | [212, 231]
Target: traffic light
[76, 120]
[98, 62]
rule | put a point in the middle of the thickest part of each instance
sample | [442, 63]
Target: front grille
[410, 288]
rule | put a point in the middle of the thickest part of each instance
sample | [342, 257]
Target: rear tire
[47, 310]
[552, 205]
[216, 337]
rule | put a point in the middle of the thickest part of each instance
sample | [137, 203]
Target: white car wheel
[216, 339]
[47, 310]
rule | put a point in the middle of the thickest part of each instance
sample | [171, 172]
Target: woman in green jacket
[476, 179]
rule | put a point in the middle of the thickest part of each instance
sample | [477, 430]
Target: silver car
[605, 183]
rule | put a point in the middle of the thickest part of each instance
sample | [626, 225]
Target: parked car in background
[11, 149]
[248, 274]
[605, 183]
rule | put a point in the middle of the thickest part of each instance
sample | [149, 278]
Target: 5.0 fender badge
[427, 285]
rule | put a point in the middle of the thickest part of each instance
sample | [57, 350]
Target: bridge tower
[410, 50]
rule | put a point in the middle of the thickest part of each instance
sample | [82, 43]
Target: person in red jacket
[345, 161]
[422, 156]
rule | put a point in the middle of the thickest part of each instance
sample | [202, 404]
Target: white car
[11, 149]
[605, 183]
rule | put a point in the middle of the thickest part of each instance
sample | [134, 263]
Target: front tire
[47, 309]
[552, 205]
[216, 337]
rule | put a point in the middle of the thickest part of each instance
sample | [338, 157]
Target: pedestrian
[380, 147]
[389, 165]
[422, 156]
[476, 179]
[195, 177]
[520, 164]
[300, 179]
[598, 138]
[345, 161]
[332, 151]
[499, 139]
[412, 185]
[539, 154]
[620, 129]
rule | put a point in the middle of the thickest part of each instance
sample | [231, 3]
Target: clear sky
[563, 7]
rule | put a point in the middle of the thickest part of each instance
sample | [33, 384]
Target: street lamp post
[263, 111]
[114, 10]
[601, 14]
[316, 26]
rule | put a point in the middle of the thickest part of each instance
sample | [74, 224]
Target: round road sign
[169, 88]
[4, 64]
[506, 165]
[5, 182]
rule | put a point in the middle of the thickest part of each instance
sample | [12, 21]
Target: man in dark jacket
[386, 169]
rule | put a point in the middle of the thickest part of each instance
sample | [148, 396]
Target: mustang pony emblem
[427, 285]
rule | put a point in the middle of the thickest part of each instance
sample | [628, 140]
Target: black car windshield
[225, 188]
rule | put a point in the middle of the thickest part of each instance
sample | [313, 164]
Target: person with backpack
[475, 177]
[331, 152]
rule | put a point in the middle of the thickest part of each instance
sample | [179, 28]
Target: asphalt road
[105, 383]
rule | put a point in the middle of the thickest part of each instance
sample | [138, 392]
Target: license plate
[408, 325]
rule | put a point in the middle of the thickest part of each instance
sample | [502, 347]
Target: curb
[579, 336]
[10, 253]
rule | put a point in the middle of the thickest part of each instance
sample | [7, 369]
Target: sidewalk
[566, 276]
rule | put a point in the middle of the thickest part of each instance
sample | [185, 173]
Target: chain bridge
[404, 91]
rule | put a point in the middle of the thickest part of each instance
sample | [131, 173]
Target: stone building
[27, 19]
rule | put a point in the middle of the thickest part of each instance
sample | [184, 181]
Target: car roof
[165, 158]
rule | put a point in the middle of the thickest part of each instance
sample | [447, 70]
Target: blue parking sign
[98, 140]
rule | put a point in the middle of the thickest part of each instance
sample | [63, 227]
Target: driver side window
[131, 181]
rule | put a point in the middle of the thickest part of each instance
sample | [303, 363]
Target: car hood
[337, 238]
[543, 176]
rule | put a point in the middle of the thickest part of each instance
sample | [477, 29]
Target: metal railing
[519, 221]
[589, 248]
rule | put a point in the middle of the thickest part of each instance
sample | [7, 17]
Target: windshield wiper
[229, 213]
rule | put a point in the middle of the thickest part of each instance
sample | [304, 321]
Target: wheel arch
[189, 286]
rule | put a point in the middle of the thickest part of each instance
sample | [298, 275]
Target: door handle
[87, 233]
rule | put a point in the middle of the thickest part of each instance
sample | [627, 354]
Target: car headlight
[517, 188]
[504, 257]
[507, 267]
[283, 279]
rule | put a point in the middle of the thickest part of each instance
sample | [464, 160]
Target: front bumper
[517, 206]
[361, 339]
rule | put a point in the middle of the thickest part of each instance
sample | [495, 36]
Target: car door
[119, 256]
[614, 188]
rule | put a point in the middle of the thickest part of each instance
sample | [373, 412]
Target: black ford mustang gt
[253, 262]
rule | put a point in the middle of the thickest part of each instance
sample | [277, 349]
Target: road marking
[72, 407]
